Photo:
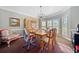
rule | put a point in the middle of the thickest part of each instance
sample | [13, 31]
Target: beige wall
[4, 19]
[74, 16]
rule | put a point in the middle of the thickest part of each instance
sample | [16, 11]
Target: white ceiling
[34, 11]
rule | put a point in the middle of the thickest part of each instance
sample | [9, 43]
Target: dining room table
[41, 34]
[38, 32]
[44, 38]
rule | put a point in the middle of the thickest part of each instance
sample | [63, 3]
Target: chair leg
[8, 44]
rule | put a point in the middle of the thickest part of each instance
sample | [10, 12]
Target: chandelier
[41, 15]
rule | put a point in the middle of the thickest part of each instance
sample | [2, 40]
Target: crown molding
[18, 12]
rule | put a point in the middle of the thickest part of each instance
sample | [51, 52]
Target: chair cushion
[77, 47]
[5, 33]
[13, 37]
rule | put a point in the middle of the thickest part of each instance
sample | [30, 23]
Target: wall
[74, 16]
[6, 14]
[4, 21]
[4, 18]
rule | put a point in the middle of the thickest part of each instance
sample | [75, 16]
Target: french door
[65, 27]
[52, 23]
[43, 24]
[49, 24]
[56, 24]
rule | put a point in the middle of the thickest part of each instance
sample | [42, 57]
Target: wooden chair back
[52, 40]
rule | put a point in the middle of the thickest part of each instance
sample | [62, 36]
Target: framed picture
[14, 22]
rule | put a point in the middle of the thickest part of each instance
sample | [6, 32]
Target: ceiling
[34, 11]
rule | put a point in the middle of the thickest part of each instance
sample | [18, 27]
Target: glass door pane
[65, 27]
[49, 24]
[56, 24]
[43, 25]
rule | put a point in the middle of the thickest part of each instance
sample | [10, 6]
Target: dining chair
[52, 39]
[30, 39]
[76, 49]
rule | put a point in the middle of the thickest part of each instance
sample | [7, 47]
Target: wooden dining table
[38, 33]
[42, 34]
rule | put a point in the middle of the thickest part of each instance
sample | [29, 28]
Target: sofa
[8, 38]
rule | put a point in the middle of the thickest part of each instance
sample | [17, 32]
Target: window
[43, 25]
[49, 24]
[52, 23]
[65, 27]
[56, 24]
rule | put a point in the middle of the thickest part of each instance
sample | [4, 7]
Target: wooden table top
[37, 31]
[41, 32]
[32, 30]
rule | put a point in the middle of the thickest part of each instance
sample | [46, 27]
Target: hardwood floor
[17, 47]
